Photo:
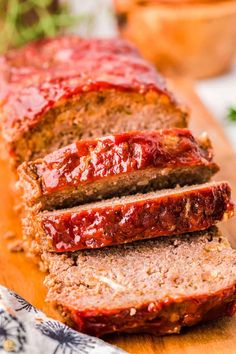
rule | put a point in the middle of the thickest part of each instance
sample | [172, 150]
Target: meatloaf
[126, 219]
[156, 286]
[73, 91]
[116, 165]
[46, 59]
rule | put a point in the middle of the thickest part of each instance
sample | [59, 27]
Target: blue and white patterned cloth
[26, 330]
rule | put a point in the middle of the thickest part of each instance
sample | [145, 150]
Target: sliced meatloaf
[93, 88]
[116, 221]
[156, 286]
[116, 165]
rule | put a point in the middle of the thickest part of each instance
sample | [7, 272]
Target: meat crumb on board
[16, 246]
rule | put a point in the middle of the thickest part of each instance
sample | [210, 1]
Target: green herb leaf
[232, 114]
[22, 21]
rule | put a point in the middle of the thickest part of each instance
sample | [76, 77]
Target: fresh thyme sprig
[22, 21]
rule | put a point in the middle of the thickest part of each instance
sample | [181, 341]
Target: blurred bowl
[193, 38]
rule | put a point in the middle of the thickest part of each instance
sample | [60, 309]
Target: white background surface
[217, 93]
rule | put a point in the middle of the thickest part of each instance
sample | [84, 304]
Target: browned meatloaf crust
[116, 221]
[78, 88]
[156, 286]
[116, 165]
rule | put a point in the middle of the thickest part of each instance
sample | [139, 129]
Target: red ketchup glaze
[48, 58]
[34, 86]
[110, 225]
[89, 160]
[47, 53]
[156, 317]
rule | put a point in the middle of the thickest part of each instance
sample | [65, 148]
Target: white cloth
[26, 330]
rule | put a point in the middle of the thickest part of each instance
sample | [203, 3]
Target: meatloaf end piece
[119, 164]
[121, 220]
[81, 96]
[156, 286]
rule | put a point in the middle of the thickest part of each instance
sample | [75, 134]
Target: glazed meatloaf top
[35, 87]
[46, 59]
[83, 165]
[146, 273]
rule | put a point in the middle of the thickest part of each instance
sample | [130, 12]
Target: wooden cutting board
[19, 274]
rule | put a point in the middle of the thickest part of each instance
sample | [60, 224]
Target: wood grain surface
[21, 275]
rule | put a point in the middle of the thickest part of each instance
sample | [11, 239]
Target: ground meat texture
[77, 91]
[116, 165]
[104, 291]
[122, 220]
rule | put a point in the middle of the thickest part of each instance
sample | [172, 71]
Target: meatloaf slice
[116, 221]
[83, 93]
[156, 286]
[115, 165]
